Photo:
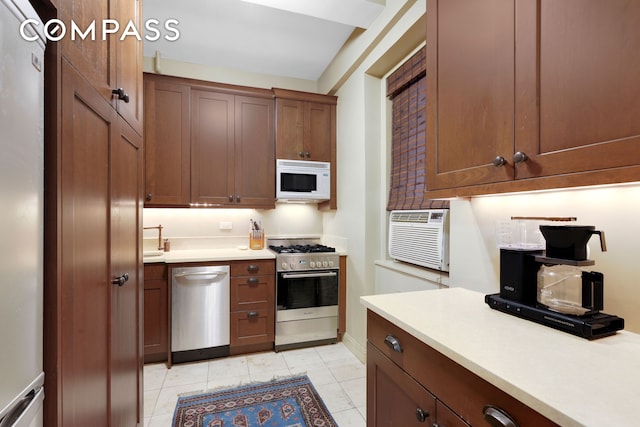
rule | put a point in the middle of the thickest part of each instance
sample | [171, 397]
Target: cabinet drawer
[252, 327]
[155, 271]
[253, 267]
[458, 388]
[249, 292]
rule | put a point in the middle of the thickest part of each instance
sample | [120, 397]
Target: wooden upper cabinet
[232, 150]
[549, 86]
[112, 63]
[212, 148]
[255, 164]
[577, 86]
[305, 125]
[470, 95]
[167, 137]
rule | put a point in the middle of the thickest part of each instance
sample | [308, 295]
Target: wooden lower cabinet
[156, 319]
[252, 306]
[395, 398]
[408, 380]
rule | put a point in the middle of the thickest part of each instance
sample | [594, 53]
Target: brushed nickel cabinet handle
[499, 161]
[496, 417]
[393, 343]
[519, 157]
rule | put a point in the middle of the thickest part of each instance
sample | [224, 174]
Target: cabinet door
[317, 132]
[94, 59]
[578, 64]
[393, 397]
[82, 371]
[470, 91]
[128, 52]
[290, 129]
[167, 142]
[447, 418]
[156, 300]
[212, 148]
[126, 298]
[255, 174]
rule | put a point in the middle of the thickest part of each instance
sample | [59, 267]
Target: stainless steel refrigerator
[21, 215]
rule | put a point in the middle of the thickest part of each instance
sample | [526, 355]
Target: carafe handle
[603, 243]
[593, 291]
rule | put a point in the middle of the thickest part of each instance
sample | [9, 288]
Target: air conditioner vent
[420, 237]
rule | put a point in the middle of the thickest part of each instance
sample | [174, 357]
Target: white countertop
[202, 255]
[570, 380]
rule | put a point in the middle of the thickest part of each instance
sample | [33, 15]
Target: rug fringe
[242, 383]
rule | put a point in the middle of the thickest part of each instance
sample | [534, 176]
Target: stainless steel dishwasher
[200, 313]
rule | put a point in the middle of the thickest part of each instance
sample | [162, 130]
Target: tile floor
[334, 371]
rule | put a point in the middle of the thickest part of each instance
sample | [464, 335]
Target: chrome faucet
[159, 228]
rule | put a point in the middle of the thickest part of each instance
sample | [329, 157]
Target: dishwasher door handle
[201, 275]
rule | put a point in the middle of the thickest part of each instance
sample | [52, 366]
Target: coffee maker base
[591, 327]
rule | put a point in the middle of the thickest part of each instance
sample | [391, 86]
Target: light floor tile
[347, 369]
[349, 418]
[187, 373]
[356, 389]
[334, 397]
[168, 397]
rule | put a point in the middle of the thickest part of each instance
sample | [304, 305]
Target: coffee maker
[554, 287]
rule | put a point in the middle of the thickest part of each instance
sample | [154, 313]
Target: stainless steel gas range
[307, 290]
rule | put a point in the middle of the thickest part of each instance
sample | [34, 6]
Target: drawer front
[155, 271]
[249, 292]
[458, 388]
[392, 341]
[252, 327]
[253, 267]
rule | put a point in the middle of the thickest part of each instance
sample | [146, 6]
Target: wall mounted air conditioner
[420, 237]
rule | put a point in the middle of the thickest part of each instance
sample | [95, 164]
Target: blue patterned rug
[291, 402]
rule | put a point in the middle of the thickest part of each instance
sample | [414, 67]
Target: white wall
[362, 151]
[613, 209]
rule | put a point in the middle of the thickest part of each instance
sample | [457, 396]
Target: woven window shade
[407, 89]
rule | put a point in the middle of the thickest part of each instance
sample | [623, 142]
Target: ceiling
[289, 38]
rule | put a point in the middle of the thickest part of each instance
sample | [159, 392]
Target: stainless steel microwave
[302, 181]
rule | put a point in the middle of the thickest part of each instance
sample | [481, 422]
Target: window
[406, 87]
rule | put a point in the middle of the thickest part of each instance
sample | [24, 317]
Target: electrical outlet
[226, 225]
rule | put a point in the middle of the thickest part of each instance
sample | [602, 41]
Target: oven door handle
[308, 275]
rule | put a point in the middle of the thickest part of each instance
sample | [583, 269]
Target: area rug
[291, 402]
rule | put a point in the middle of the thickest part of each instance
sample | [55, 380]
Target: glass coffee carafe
[569, 289]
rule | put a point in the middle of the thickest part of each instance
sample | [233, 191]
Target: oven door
[306, 295]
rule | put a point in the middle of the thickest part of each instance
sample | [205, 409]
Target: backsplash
[205, 228]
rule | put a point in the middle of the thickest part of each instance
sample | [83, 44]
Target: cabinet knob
[301, 154]
[421, 415]
[238, 199]
[122, 95]
[496, 417]
[307, 154]
[519, 157]
[252, 268]
[231, 197]
[393, 342]
[499, 161]
[252, 314]
[149, 197]
[253, 281]
[121, 280]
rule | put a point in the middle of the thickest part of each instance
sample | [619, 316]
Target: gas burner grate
[301, 249]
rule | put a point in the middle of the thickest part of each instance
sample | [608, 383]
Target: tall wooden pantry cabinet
[93, 221]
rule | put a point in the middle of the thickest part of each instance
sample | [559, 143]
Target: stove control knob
[325, 264]
[330, 263]
[284, 265]
[312, 264]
